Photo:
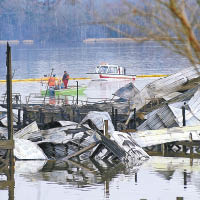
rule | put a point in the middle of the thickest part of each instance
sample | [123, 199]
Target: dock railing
[16, 99]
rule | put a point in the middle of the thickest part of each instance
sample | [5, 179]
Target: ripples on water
[158, 178]
[35, 61]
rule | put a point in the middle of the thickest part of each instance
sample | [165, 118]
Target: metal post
[185, 178]
[184, 124]
[77, 92]
[183, 113]
[40, 115]
[134, 119]
[135, 177]
[106, 128]
[24, 116]
[113, 117]
[116, 118]
[19, 119]
[107, 190]
[9, 93]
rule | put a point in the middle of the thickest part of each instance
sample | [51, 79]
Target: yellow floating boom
[82, 78]
[152, 75]
[39, 79]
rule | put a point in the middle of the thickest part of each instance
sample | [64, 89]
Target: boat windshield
[103, 69]
[113, 70]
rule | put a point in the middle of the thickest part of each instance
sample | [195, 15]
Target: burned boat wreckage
[82, 141]
[103, 131]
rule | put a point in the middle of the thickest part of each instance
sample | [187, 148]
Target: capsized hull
[97, 76]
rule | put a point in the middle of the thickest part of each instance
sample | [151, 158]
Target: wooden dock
[178, 141]
[6, 146]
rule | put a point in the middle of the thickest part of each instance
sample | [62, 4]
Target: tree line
[53, 20]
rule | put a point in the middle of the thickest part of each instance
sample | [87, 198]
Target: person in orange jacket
[51, 84]
[52, 81]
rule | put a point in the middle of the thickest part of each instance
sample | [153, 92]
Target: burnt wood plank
[78, 153]
[6, 144]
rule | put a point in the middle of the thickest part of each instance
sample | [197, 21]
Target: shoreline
[16, 42]
[122, 40]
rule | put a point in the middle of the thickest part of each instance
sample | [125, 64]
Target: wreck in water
[125, 129]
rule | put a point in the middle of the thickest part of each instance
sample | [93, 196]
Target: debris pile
[90, 139]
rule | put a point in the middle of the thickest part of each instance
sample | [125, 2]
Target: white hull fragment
[27, 150]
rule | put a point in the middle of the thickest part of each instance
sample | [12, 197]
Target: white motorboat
[106, 71]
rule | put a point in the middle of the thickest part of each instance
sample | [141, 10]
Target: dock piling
[19, 119]
[106, 128]
[77, 92]
[184, 124]
[9, 144]
[134, 119]
[9, 93]
[112, 115]
[116, 118]
[24, 116]
[183, 114]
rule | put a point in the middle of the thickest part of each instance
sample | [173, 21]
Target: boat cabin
[110, 69]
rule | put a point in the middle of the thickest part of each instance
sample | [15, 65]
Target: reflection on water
[104, 89]
[158, 178]
[35, 61]
[7, 165]
[95, 91]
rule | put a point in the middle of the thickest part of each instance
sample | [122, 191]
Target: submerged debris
[27, 150]
[127, 92]
[71, 140]
[171, 115]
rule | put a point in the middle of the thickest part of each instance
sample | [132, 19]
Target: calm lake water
[35, 61]
[157, 179]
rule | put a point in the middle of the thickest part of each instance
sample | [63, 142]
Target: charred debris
[93, 138]
[114, 130]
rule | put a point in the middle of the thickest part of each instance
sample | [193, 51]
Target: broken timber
[83, 150]
[181, 81]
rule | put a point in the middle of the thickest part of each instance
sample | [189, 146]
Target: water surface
[159, 178]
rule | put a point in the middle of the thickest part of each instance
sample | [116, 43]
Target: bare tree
[173, 23]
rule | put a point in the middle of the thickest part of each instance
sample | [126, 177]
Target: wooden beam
[106, 128]
[6, 184]
[6, 144]
[9, 94]
[174, 154]
[78, 153]
[188, 143]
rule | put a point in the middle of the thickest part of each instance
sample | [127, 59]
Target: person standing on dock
[52, 81]
[51, 84]
[65, 79]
